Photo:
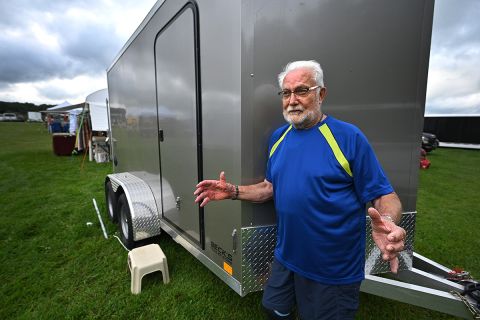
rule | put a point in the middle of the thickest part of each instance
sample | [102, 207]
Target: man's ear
[322, 93]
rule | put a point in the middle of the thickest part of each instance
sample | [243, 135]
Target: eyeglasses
[299, 92]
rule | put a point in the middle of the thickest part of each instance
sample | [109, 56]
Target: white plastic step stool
[144, 260]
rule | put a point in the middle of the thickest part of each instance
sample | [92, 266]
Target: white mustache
[295, 108]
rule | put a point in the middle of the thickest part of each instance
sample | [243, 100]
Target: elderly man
[321, 173]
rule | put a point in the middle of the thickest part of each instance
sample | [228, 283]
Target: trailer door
[179, 111]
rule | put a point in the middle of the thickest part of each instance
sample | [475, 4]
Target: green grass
[54, 266]
[449, 210]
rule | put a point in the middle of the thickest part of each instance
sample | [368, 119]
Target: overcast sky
[56, 50]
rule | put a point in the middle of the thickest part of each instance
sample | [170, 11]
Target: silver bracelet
[235, 196]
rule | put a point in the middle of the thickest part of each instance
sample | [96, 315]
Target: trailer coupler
[426, 285]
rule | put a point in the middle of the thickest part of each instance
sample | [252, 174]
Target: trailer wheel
[111, 200]
[125, 222]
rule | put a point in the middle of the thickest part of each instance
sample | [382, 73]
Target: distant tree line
[22, 108]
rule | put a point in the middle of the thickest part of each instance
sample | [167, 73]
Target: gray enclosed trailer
[193, 92]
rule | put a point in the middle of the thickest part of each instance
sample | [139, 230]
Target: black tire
[125, 222]
[428, 148]
[111, 201]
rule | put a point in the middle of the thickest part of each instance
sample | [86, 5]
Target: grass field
[54, 266]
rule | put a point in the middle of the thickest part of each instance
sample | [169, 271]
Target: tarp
[34, 116]
[64, 106]
[60, 106]
[98, 109]
[73, 119]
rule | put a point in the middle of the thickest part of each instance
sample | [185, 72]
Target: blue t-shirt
[320, 207]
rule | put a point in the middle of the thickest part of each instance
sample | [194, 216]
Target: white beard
[303, 120]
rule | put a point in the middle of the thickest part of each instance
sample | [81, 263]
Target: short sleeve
[369, 178]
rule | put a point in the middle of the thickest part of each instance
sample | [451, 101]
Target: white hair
[310, 64]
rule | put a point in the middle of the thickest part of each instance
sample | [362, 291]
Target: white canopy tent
[60, 107]
[93, 131]
[97, 105]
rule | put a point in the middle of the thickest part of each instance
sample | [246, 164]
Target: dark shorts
[314, 300]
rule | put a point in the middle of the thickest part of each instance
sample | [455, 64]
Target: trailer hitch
[471, 289]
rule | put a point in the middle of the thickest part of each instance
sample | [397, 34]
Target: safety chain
[471, 286]
[475, 312]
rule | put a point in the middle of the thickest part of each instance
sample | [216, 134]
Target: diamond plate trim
[374, 263]
[258, 244]
[143, 208]
[257, 255]
[114, 184]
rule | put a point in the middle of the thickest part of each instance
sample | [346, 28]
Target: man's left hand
[389, 238]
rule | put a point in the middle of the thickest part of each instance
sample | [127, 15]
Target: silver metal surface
[428, 280]
[374, 263]
[137, 31]
[258, 244]
[202, 257]
[143, 209]
[115, 184]
[430, 266]
[176, 79]
[414, 294]
[375, 58]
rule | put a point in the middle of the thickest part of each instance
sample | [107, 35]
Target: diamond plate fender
[143, 208]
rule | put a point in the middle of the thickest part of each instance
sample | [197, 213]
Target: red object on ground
[424, 162]
[63, 144]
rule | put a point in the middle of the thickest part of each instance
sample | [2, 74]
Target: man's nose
[293, 99]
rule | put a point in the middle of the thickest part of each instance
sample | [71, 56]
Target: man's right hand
[211, 190]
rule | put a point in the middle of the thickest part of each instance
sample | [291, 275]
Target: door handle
[178, 201]
[234, 240]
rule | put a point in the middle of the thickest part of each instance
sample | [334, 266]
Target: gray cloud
[55, 92]
[95, 46]
[454, 81]
[456, 24]
[84, 47]
[22, 61]
[19, 13]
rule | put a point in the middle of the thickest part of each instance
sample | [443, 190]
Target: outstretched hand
[388, 237]
[209, 190]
